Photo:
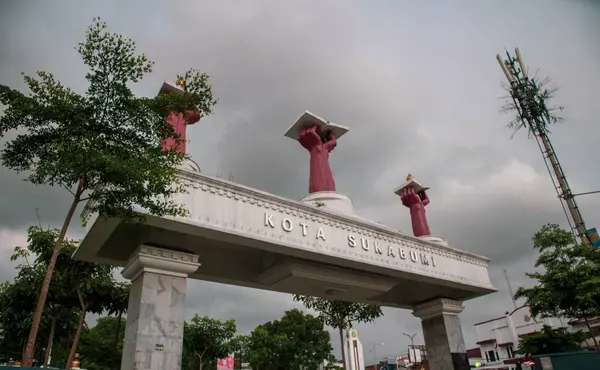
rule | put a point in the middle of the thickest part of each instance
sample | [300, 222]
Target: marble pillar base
[155, 316]
[443, 334]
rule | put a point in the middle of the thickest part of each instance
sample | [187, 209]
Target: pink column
[416, 202]
[320, 178]
[179, 122]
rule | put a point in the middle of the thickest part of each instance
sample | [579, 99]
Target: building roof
[474, 352]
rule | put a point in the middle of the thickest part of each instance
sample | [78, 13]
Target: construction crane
[529, 98]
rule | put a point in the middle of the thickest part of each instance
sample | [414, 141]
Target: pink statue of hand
[330, 144]
[416, 202]
[321, 178]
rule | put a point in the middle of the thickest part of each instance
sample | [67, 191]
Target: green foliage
[206, 340]
[106, 142]
[266, 348]
[240, 348]
[332, 363]
[550, 340]
[18, 299]
[72, 279]
[296, 341]
[340, 314]
[119, 298]
[103, 145]
[97, 349]
[94, 282]
[569, 285]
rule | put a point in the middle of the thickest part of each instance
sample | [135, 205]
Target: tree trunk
[341, 330]
[78, 332]
[200, 356]
[592, 334]
[39, 310]
[50, 339]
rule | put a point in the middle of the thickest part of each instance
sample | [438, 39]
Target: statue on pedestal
[178, 121]
[415, 198]
[319, 137]
[320, 178]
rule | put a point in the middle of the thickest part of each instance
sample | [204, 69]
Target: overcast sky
[418, 85]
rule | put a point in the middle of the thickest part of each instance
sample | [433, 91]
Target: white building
[498, 338]
[580, 325]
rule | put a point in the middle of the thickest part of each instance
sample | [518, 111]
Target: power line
[529, 99]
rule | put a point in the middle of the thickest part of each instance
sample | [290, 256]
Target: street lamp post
[411, 337]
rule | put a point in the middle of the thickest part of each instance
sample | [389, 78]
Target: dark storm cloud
[418, 86]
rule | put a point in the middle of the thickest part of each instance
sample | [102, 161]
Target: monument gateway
[316, 246]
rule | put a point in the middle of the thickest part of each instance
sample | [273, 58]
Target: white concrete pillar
[353, 351]
[444, 341]
[155, 316]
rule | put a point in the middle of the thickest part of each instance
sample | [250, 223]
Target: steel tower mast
[529, 99]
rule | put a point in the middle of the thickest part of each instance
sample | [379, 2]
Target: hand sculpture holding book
[320, 178]
[319, 137]
[415, 198]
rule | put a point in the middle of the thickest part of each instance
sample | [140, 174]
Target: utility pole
[529, 99]
[510, 291]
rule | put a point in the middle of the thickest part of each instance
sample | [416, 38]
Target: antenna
[510, 291]
[509, 76]
[521, 62]
[529, 98]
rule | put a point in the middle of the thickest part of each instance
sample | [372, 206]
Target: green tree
[15, 316]
[97, 350]
[206, 340]
[104, 145]
[86, 286]
[240, 347]
[93, 285]
[118, 305]
[18, 298]
[267, 348]
[296, 341]
[550, 340]
[569, 285]
[332, 363]
[341, 315]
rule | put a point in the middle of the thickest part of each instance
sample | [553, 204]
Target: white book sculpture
[324, 127]
[410, 183]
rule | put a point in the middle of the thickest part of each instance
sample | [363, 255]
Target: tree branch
[69, 190]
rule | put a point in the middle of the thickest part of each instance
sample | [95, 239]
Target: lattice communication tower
[529, 99]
